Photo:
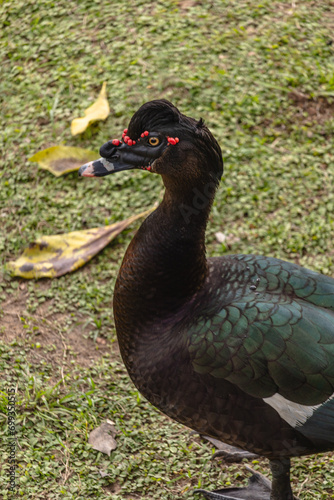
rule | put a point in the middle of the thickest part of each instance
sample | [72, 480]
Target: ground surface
[262, 76]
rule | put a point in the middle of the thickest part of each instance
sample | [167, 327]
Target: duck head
[161, 140]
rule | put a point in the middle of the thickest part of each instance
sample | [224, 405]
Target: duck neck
[165, 264]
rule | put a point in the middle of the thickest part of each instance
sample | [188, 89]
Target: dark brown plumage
[238, 347]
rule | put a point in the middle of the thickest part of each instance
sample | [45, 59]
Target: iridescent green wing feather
[303, 283]
[278, 337]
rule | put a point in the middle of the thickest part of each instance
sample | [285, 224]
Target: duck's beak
[102, 167]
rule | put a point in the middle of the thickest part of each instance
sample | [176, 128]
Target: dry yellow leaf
[97, 111]
[60, 160]
[53, 256]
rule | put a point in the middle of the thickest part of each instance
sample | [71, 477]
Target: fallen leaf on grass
[220, 237]
[227, 239]
[97, 111]
[53, 256]
[103, 438]
[103, 473]
[60, 160]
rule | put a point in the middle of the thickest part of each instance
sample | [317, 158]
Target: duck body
[238, 358]
[239, 347]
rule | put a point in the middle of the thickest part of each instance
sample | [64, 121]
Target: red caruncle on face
[130, 142]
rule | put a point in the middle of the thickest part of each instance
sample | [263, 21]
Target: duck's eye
[153, 141]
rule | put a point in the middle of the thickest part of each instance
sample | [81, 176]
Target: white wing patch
[293, 413]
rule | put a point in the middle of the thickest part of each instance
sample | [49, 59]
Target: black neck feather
[165, 263]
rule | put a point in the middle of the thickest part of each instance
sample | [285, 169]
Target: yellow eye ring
[153, 141]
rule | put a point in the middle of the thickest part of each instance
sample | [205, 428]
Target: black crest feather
[200, 123]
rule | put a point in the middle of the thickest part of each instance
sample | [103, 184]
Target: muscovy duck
[238, 347]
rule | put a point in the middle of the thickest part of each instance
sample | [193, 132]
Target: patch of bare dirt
[114, 488]
[188, 4]
[304, 110]
[308, 109]
[42, 121]
[59, 342]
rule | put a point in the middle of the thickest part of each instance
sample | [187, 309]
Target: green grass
[262, 76]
